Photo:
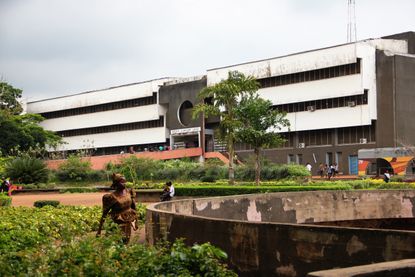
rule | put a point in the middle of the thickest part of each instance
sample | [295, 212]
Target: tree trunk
[231, 168]
[257, 165]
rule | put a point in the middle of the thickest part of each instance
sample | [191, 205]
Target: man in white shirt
[309, 167]
[171, 189]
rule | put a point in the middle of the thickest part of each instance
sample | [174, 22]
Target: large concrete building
[339, 100]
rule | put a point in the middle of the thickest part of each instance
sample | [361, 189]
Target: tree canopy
[21, 132]
[226, 95]
[9, 99]
[258, 123]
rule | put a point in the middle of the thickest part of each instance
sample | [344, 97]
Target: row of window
[311, 75]
[111, 150]
[329, 159]
[149, 100]
[348, 135]
[347, 101]
[113, 128]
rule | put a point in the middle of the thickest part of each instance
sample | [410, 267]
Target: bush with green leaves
[27, 170]
[136, 170]
[61, 242]
[215, 190]
[43, 203]
[5, 200]
[78, 169]
[108, 256]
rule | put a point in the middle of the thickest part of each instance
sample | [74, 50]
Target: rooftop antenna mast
[351, 21]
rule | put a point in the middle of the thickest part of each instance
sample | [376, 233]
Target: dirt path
[73, 199]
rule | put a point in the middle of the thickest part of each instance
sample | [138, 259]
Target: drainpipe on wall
[394, 100]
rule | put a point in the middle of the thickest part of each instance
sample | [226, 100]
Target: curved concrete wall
[278, 233]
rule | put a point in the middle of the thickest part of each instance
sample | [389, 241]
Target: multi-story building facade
[338, 99]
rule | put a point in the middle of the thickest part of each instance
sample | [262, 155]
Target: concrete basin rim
[153, 208]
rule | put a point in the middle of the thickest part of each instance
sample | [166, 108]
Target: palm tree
[226, 95]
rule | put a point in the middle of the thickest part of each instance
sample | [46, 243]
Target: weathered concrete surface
[268, 234]
[389, 269]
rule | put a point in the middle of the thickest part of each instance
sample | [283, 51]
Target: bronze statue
[120, 204]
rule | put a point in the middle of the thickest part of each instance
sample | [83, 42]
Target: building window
[330, 103]
[290, 159]
[113, 128]
[311, 75]
[150, 100]
[299, 158]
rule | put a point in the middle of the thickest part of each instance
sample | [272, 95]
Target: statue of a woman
[120, 204]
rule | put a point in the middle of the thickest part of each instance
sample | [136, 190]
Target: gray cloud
[51, 48]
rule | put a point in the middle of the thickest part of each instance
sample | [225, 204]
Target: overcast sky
[53, 48]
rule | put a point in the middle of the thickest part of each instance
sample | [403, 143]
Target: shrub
[39, 186]
[208, 179]
[73, 169]
[5, 200]
[77, 190]
[27, 170]
[397, 179]
[296, 170]
[42, 203]
[56, 242]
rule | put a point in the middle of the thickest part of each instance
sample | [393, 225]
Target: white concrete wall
[136, 114]
[97, 97]
[329, 118]
[142, 136]
[310, 60]
[321, 89]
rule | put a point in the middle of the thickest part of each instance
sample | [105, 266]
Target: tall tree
[226, 95]
[259, 121]
[9, 99]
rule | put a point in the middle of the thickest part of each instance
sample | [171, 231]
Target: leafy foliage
[5, 200]
[9, 99]
[216, 190]
[259, 121]
[42, 203]
[74, 169]
[27, 170]
[226, 95]
[22, 133]
[57, 242]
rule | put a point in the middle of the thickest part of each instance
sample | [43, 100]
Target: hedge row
[236, 190]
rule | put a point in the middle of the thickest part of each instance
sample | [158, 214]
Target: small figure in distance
[168, 192]
[120, 204]
[329, 172]
[309, 167]
[5, 185]
[321, 170]
[386, 176]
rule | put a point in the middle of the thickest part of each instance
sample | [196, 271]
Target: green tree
[226, 95]
[259, 121]
[21, 132]
[9, 99]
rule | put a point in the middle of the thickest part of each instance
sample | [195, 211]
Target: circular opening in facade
[184, 113]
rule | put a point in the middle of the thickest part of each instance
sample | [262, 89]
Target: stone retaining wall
[270, 234]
